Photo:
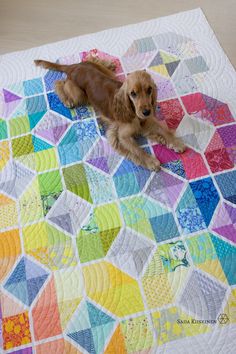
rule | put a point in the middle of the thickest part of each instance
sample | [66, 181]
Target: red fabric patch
[218, 160]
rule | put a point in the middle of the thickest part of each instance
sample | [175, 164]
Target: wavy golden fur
[128, 108]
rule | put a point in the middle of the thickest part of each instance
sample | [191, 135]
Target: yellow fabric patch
[117, 292]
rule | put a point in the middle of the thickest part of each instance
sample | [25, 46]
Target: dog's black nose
[146, 112]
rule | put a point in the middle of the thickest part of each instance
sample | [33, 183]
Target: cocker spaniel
[128, 108]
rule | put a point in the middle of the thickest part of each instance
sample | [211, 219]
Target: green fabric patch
[76, 181]
[22, 145]
[19, 126]
[46, 160]
[3, 129]
[89, 247]
[50, 183]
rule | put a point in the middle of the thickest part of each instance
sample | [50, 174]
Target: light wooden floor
[30, 23]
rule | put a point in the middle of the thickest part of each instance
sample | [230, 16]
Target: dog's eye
[149, 90]
[133, 94]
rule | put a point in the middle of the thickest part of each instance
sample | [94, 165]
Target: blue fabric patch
[19, 290]
[33, 287]
[24, 282]
[56, 105]
[70, 153]
[19, 273]
[36, 104]
[190, 220]
[85, 339]
[97, 317]
[39, 144]
[126, 184]
[51, 77]
[83, 112]
[227, 185]
[226, 254]
[175, 167]
[164, 227]
[142, 176]
[35, 118]
[127, 166]
[32, 87]
[206, 196]
[77, 142]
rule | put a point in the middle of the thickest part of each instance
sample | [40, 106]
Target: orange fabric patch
[10, 244]
[16, 330]
[10, 248]
[46, 315]
[117, 343]
[57, 346]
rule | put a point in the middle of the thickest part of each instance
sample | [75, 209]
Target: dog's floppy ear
[122, 105]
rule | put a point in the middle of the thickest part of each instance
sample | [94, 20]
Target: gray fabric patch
[183, 80]
[203, 296]
[145, 45]
[157, 60]
[169, 39]
[140, 258]
[196, 65]
[171, 67]
[191, 139]
[69, 212]
[63, 221]
[14, 179]
[130, 252]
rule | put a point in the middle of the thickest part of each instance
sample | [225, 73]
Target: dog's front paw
[153, 164]
[177, 145]
[69, 103]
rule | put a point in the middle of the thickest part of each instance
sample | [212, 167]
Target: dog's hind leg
[75, 94]
[60, 90]
[70, 94]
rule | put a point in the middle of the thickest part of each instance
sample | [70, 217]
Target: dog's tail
[52, 66]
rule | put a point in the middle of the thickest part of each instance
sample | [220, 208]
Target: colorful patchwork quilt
[98, 255]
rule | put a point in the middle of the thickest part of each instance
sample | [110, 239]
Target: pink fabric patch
[193, 164]
[215, 143]
[164, 154]
[194, 102]
[97, 53]
[171, 111]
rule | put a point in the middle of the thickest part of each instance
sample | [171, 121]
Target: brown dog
[127, 108]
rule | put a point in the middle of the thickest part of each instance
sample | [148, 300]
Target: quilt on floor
[98, 255]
